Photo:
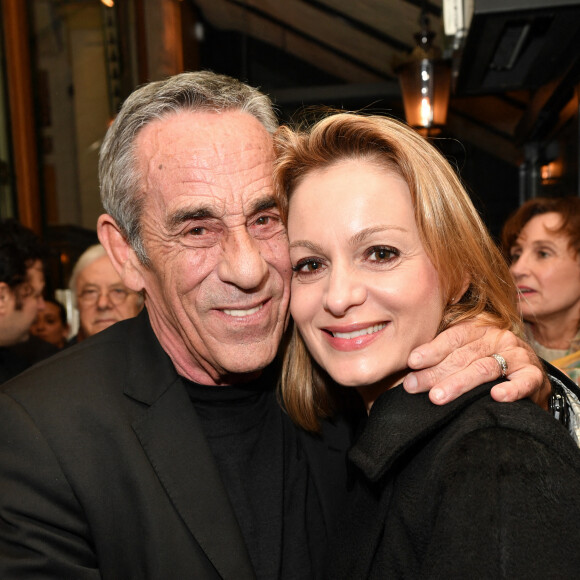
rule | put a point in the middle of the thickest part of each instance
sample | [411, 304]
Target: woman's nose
[344, 290]
[520, 267]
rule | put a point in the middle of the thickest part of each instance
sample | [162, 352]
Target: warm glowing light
[552, 172]
[426, 113]
[425, 81]
[108, 3]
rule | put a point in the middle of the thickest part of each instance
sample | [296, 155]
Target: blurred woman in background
[51, 324]
[542, 241]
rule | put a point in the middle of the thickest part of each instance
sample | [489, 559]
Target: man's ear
[5, 297]
[122, 255]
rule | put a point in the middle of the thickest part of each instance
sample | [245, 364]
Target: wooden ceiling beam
[328, 30]
[503, 116]
[225, 15]
[464, 129]
[398, 20]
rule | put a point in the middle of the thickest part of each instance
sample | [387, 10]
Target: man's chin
[247, 361]
[100, 326]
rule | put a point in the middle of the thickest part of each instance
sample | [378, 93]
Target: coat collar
[172, 438]
[398, 421]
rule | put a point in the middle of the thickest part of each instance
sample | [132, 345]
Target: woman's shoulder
[501, 433]
[401, 425]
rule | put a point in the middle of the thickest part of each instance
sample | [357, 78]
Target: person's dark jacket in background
[18, 357]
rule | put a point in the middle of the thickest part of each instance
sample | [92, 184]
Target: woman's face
[364, 292]
[48, 325]
[546, 271]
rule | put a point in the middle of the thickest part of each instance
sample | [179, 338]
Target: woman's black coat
[471, 489]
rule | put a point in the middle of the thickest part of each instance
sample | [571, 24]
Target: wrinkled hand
[458, 360]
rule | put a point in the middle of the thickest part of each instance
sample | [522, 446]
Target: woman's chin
[363, 380]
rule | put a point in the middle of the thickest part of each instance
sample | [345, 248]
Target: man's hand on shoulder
[459, 359]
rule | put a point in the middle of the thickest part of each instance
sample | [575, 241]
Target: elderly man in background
[158, 448]
[99, 293]
[21, 287]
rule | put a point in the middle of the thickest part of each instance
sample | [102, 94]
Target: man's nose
[103, 301]
[241, 262]
[344, 289]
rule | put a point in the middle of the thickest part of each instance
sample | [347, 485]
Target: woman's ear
[462, 290]
[458, 294]
[121, 253]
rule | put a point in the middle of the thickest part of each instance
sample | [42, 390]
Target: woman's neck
[555, 333]
[370, 393]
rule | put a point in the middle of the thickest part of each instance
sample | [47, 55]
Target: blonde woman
[388, 251]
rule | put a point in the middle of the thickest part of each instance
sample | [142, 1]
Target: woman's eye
[307, 266]
[382, 254]
[514, 257]
[543, 254]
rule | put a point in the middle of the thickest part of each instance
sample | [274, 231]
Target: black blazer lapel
[172, 438]
[327, 459]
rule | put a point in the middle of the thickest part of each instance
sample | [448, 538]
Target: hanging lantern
[425, 80]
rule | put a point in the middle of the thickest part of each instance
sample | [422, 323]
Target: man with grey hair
[157, 449]
[99, 293]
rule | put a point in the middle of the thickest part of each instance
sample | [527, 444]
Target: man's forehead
[204, 134]
[207, 163]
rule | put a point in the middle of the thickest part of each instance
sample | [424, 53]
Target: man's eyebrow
[263, 204]
[188, 214]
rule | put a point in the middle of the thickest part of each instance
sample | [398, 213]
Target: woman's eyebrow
[367, 232]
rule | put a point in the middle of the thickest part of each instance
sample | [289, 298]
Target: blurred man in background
[21, 287]
[100, 296]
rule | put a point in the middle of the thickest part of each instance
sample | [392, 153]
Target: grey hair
[90, 255]
[120, 181]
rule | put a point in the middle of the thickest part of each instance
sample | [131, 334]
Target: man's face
[19, 307]
[102, 298]
[217, 287]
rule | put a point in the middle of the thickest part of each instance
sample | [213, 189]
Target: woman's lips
[354, 337]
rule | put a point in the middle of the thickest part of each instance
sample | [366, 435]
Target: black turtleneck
[261, 462]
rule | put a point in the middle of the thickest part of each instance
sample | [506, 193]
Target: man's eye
[268, 220]
[118, 292]
[198, 231]
[88, 293]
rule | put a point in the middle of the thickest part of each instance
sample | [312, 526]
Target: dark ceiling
[518, 64]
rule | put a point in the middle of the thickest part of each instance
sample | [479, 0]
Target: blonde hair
[451, 231]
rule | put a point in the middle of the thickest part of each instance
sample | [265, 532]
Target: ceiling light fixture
[425, 83]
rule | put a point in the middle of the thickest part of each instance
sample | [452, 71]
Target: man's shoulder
[99, 360]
